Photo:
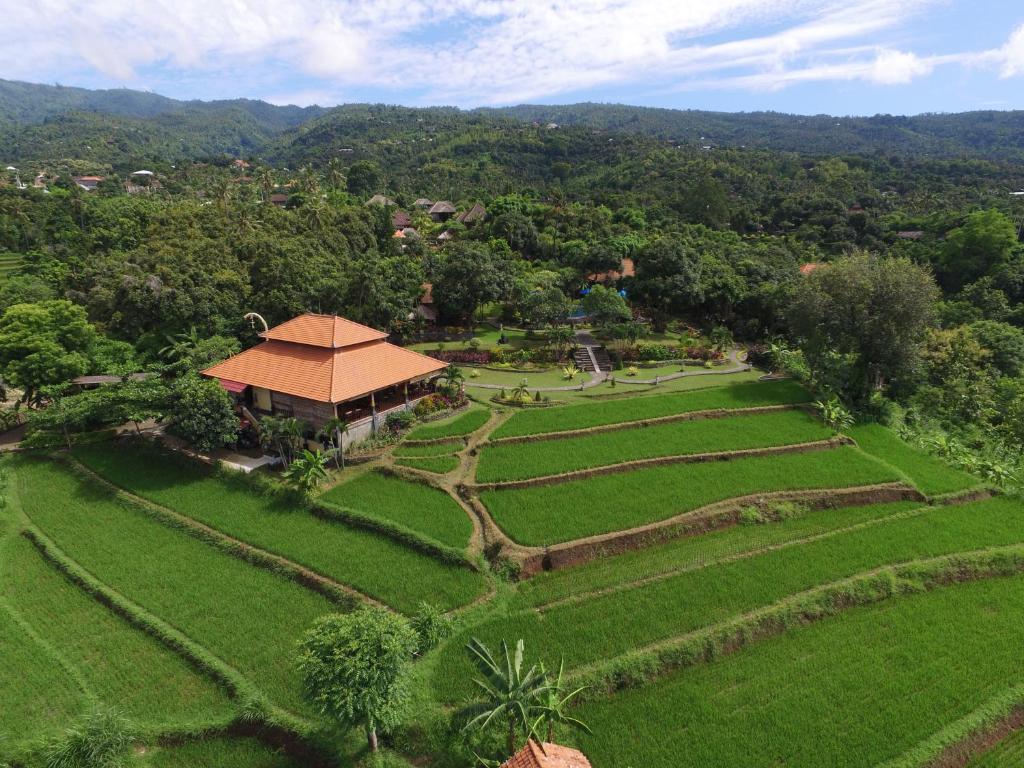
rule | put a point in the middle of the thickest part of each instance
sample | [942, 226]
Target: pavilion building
[318, 367]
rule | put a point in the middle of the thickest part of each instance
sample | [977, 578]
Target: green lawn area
[606, 392]
[849, 692]
[519, 461]
[456, 426]
[247, 616]
[440, 465]
[694, 552]
[27, 671]
[349, 555]
[218, 752]
[418, 506]
[122, 666]
[618, 622]
[488, 336]
[599, 413]
[545, 377]
[629, 499]
[930, 474]
[1009, 753]
[643, 372]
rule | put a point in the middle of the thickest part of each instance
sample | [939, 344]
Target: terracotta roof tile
[323, 331]
[549, 755]
[324, 374]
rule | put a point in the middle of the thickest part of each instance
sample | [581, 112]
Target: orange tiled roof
[324, 374]
[628, 269]
[806, 269]
[534, 755]
[323, 331]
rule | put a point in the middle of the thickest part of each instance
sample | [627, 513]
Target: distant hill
[45, 122]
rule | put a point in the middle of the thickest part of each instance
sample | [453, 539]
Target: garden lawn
[1008, 753]
[488, 336]
[652, 372]
[463, 424]
[123, 666]
[218, 752]
[931, 475]
[417, 506]
[26, 672]
[349, 555]
[440, 465]
[695, 551]
[629, 499]
[247, 616]
[851, 692]
[542, 377]
[619, 410]
[520, 461]
[615, 623]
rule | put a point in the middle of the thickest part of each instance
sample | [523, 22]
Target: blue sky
[803, 56]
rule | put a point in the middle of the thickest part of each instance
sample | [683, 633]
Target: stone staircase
[592, 358]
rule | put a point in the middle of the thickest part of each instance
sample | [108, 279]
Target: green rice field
[349, 555]
[850, 692]
[1008, 753]
[600, 413]
[439, 465]
[931, 475]
[627, 500]
[461, 425]
[412, 505]
[511, 461]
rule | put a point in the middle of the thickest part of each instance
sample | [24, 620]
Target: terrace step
[593, 358]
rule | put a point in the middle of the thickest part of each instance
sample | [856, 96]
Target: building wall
[316, 414]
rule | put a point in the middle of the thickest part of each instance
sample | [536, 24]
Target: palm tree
[335, 174]
[453, 376]
[180, 344]
[334, 430]
[510, 694]
[284, 434]
[265, 179]
[308, 470]
[520, 393]
[552, 705]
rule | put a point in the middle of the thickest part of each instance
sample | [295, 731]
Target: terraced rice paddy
[1009, 753]
[511, 461]
[439, 465]
[416, 506]
[851, 692]
[627, 500]
[600, 413]
[219, 753]
[611, 624]
[931, 475]
[461, 425]
[348, 555]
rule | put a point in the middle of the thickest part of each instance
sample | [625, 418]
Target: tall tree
[668, 279]
[467, 275]
[355, 668]
[980, 246]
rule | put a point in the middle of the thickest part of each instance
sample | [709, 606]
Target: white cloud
[470, 51]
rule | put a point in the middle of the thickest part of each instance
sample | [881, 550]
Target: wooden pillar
[406, 388]
[373, 414]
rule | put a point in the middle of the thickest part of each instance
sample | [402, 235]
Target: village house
[88, 183]
[380, 200]
[318, 367]
[423, 203]
[546, 755]
[473, 215]
[442, 210]
[426, 309]
[401, 220]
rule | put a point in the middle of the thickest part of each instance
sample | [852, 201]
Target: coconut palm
[180, 344]
[510, 693]
[552, 704]
[308, 470]
[520, 394]
[453, 377]
[333, 430]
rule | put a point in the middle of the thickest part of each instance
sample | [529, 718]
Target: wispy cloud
[478, 51]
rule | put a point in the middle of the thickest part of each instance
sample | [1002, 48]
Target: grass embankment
[1009, 753]
[118, 664]
[693, 552]
[416, 506]
[429, 450]
[220, 752]
[521, 461]
[458, 426]
[247, 616]
[886, 676]
[627, 500]
[39, 696]
[619, 622]
[439, 465]
[932, 476]
[600, 413]
[346, 554]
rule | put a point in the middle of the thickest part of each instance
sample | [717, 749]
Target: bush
[437, 402]
[399, 421]
[432, 625]
[645, 351]
[201, 412]
[101, 739]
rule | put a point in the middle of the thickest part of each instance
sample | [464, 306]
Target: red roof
[806, 269]
[546, 755]
[324, 358]
[323, 331]
[628, 269]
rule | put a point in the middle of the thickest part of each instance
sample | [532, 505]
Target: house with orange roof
[318, 367]
[546, 755]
